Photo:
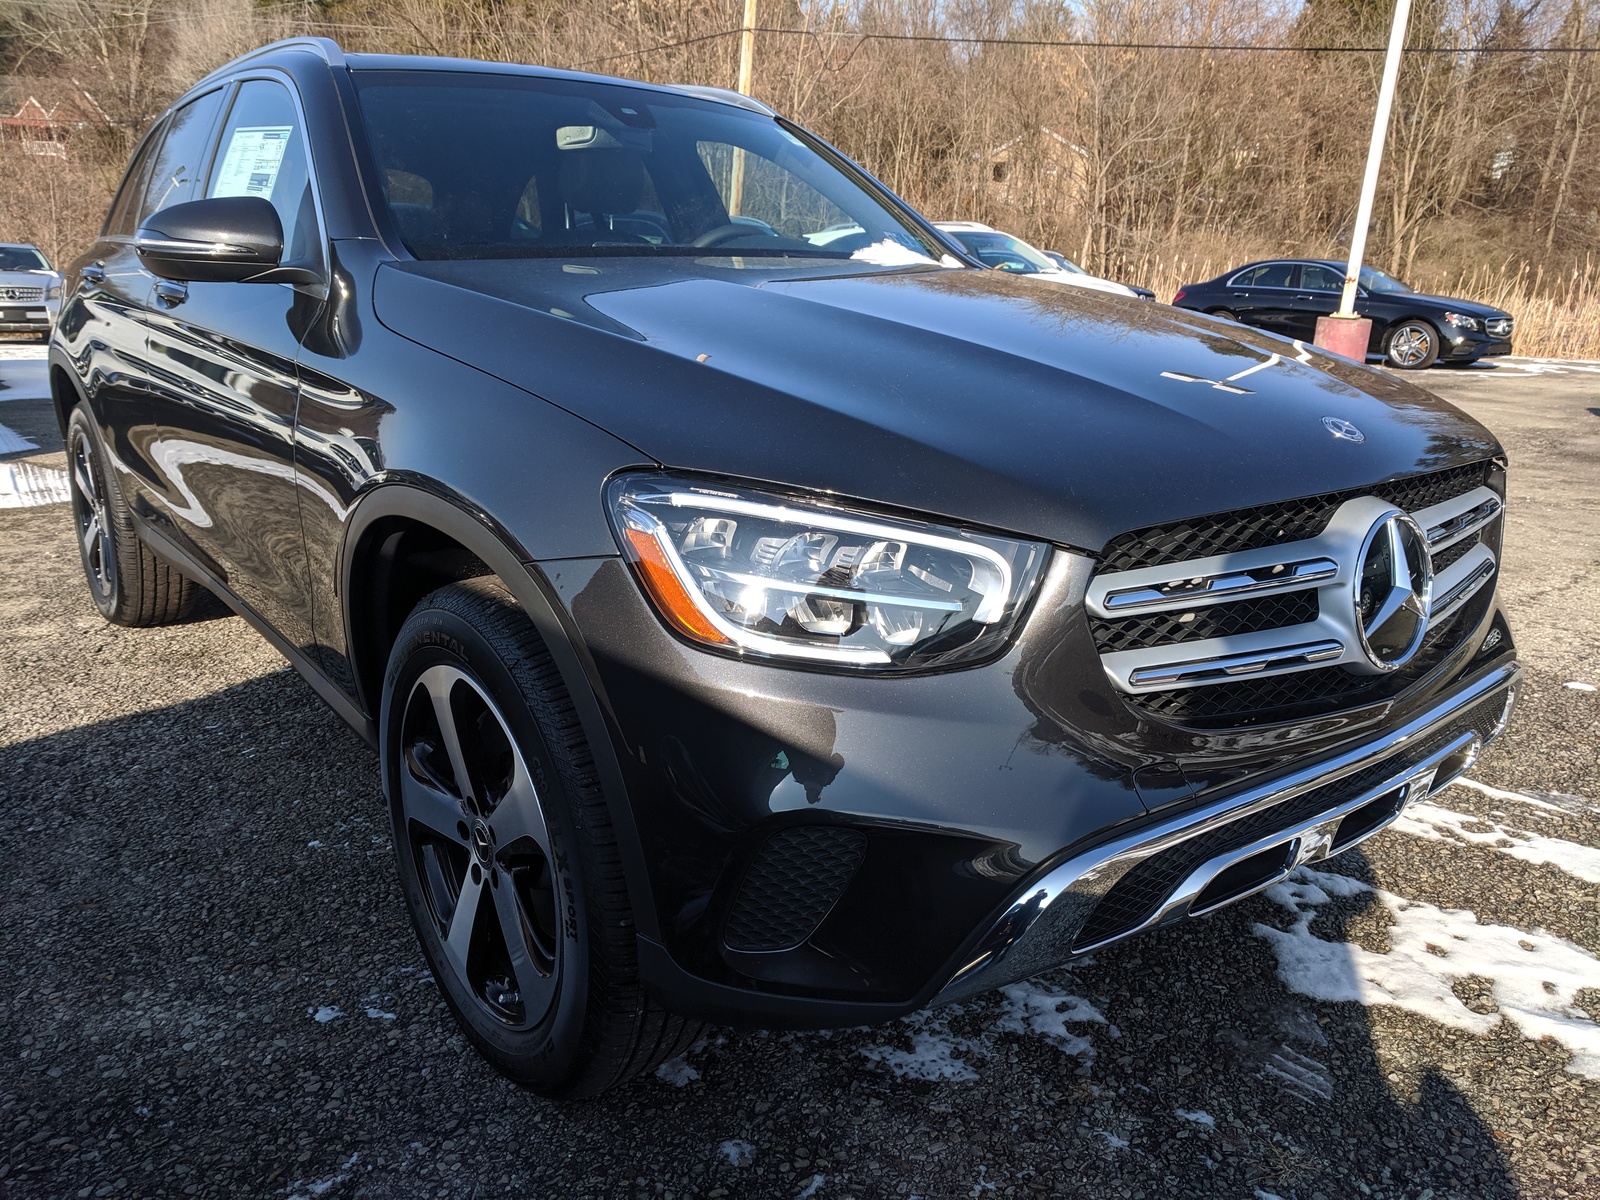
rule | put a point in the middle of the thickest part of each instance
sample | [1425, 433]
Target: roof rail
[726, 96]
[326, 48]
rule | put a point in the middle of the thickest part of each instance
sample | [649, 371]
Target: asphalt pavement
[208, 985]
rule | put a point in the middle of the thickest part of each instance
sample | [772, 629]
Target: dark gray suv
[764, 614]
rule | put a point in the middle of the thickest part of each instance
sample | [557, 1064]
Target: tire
[1224, 314]
[1412, 345]
[514, 881]
[129, 584]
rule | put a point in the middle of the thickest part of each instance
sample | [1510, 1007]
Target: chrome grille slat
[1203, 622]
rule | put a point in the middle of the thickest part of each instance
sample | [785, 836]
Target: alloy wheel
[89, 511]
[1411, 345]
[477, 833]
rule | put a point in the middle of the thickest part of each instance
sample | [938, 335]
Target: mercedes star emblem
[1394, 591]
[1342, 429]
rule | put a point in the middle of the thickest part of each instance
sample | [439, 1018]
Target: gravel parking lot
[209, 986]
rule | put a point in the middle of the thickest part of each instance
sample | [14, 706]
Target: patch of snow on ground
[1199, 1118]
[1559, 802]
[377, 1014]
[738, 1153]
[27, 485]
[1535, 976]
[677, 1072]
[1426, 820]
[935, 1052]
[813, 1186]
[1581, 687]
[12, 442]
[324, 1014]
[1030, 1008]
[321, 1187]
[1112, 1139]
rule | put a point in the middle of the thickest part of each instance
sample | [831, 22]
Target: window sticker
[250, 167]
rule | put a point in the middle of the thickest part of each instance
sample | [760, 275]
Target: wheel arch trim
[426, 503]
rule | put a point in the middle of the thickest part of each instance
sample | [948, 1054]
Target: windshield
[504, 166]
[1376, 281]
[1005, 253]
[22, 258]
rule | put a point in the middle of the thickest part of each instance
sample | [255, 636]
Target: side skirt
[330, 695]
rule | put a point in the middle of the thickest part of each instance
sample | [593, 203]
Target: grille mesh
[1135, 897]
[1275, 524]
[1218, 620]
[792, 882]
[1453, 554]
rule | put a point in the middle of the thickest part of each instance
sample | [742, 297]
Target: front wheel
[1413, 345]
[506, 853]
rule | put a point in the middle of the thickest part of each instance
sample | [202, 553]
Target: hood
[1470, 308]
[1059, 413]
[32, 278]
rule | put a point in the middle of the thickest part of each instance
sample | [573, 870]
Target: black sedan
[1410, 329]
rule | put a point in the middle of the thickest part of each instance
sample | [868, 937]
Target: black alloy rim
[476, 831]
[89, 511]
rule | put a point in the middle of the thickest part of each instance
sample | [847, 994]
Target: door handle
[93, 273]
[171, 294]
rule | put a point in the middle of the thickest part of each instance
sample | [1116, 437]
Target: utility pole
[1344, 332]
[747, 46]
[747, 58]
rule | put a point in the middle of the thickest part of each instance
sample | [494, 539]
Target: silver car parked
[30, 290]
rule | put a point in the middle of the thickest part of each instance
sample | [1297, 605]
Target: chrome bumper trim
[1036, 930]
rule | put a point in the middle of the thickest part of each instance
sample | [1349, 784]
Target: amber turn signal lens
[668, 593]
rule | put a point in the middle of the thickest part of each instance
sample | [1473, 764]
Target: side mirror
[227, 239]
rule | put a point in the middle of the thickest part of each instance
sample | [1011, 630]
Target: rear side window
[179, 162]
[1320, 279]
[262, 152]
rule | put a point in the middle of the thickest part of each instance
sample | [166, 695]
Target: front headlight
[1461, 320]
[53, 292]
[752, 572]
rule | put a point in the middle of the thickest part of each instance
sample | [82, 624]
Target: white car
[30, 290]
[1003, 252]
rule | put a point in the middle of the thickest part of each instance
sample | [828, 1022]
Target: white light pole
[1344, 332]
[747, 58]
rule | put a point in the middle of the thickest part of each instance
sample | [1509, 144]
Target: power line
[1073, 44]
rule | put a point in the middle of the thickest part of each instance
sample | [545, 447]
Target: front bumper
[1225, 851]
[28, 318]
[910, 837]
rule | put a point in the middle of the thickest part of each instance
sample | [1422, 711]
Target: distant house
[1040, 154]
[42, 116]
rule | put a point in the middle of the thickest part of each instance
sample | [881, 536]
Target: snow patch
[738, 1153]
[321, 1187]
[1535, 976]
[1030, 1007]
[677, 1072]
[1430, 821]
[1112, 1139]
[813, 1186]
[324, 1014]
[1560, 802]
[1199, 1118]
[25, 485]
[377, 1014]
[1581, 687]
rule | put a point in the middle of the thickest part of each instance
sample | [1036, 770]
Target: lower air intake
[790, 886]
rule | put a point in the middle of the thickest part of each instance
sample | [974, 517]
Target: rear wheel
[506, 853]
[1225, 313]
[129, 584]
[1412, 346]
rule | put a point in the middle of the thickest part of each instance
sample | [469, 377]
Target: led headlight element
[755, 572]
[1461, 320]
